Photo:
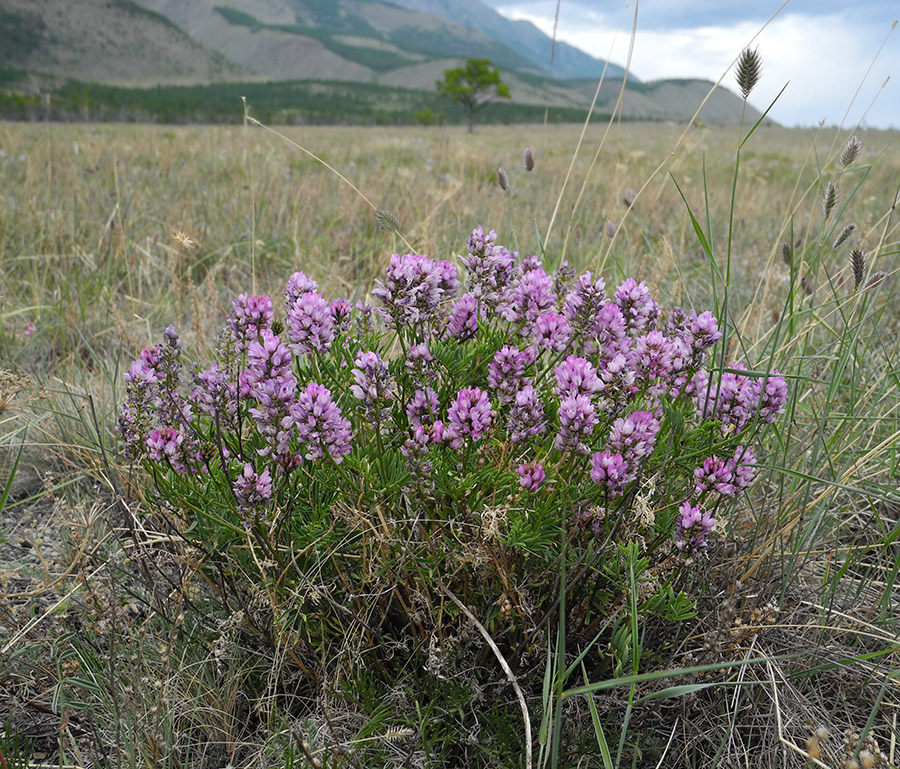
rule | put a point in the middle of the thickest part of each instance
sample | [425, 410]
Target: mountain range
[399, 44]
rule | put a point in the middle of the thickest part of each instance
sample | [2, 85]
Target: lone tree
[472, 86]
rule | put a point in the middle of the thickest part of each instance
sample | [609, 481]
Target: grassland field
[109, 233]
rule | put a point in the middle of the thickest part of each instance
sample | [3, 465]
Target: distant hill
[520, 36]
[403, 46]
[110, 41]
[328, 39]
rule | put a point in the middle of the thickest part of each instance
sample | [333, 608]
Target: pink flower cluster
[738, 398]
[469, 416]
[692, 528]
[547, 372]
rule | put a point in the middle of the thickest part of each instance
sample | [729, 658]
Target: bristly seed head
[850, 151]
[787, 253]
[749, 69]
[844, 234]
[502, 179]
[876, 278]
[858, 264]
[830, 199]
[183, 241]
[528, 159]
[387, 220]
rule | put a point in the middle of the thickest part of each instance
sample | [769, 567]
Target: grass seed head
[387, 220]
[830, 199]
[528, 159]
[183, 241]
[850, 151]
[844, 234]
[876, 278]
[502, 179]
[749, 69]
[787, 253]
[858, 265]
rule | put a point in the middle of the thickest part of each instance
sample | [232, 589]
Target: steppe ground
[110, 232]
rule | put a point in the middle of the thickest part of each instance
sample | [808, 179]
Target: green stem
[560, 654]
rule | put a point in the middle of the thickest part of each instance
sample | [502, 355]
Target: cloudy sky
[822, 49]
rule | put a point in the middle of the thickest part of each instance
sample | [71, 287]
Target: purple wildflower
[506, 372]
[530, 263]
[252, 490]
[651, 356]
[411, 291]
[583, 304]
[608, 333]
[715, 474]
[529, 296]
[480, 244]
[692, 529]
[138, 416]
[272, 414]
[743, 466]
[633, 436]
[415, 450]
[577, 420]
[173, 409]
[464, 317]
[249, 316]
[420, 363]
[658, 360]
[310, 324]
[297, 285]
[166, 444]
[423, 408]
[469, 416]
[150, 357]
[341, 314]
[575, 376]
[728, 402]
[526, 417]
[170, 358]
[610, 470]
[675, 323]
[320, 425]
[268, 379]
[214, 393]
[490, 267]
[702, 331]
[552, 331]
[373, 385]
[768, 395]
[448, 280]
[531, 475]
[618, 383]
[266, 359]
[638, 308]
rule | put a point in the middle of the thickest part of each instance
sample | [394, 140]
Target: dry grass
[88, 223]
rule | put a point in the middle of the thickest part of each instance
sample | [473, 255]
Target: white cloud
[824, 58]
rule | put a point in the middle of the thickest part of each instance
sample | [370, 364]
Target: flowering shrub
[464, 433]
